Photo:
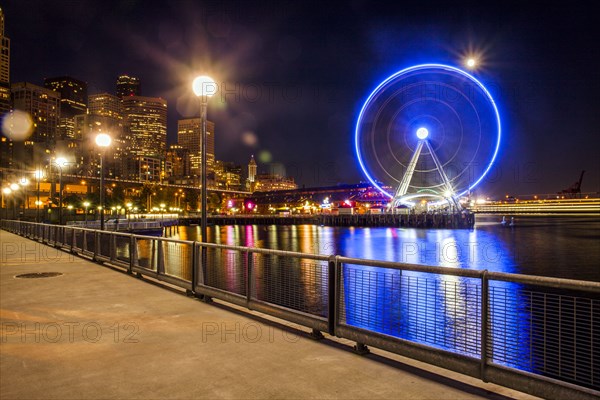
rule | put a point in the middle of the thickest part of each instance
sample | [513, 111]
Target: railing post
[332, 296]
[160, 265]
[200, 279]
[194, 280]
[132, 254]
[249, 278]
[73, 240]
[84, 244]
[113, 247]
[96, 245]
[484, 322]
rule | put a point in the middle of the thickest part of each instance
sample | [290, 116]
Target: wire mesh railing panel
[79, 237]
[292, 282]
[147, 253]
[123, 251]
[226, 270]
[105, 243]
[178, 259]
[546, 333]
[440, 311]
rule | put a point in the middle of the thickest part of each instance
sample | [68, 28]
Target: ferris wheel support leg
[438, 166]
[403, 187]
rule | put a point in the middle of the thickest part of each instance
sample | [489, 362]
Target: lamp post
[61, 162]
[5, 192]
[86, 204]
[23, 182]
[204, 87]
[39, 174]
[103, 141]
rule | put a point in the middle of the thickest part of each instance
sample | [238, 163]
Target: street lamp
[23, 182]
[61, 162]
[103, 141]
[38, 174]
[70, 208]
[5, 192]
[204, 87]
[86, 204]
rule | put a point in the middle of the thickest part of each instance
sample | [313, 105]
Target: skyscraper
[4, 68]
[128, 86]
[252, 167]
[145, 130]
[6, 145]
[189, 136]
[43, 105]
[106, 116]
[73, 101]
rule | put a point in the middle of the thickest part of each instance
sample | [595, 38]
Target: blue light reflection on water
[442, 311]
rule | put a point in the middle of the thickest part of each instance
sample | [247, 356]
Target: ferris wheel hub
[422, 133]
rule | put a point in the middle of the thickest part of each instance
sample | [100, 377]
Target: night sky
[294, 75]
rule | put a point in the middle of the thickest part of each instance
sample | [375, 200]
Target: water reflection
[440, 311]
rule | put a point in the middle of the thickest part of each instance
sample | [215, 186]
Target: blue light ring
[416, 68]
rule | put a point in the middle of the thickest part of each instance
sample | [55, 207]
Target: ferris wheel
[429, 133]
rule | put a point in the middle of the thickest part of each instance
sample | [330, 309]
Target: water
[530, 328]
[563, 247]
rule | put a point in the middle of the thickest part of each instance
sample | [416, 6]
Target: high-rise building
[189, 136]
[43, 105]
[105, 115]
[128, 86]
[252, 168]
[73, 101]
[145, 131]
[106, 105]
[228, 175]
[179, 158]
[4, 53]
[4, 69]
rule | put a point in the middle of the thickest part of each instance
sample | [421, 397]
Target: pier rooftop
[95, 332]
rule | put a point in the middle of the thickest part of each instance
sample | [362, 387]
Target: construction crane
[575, 189]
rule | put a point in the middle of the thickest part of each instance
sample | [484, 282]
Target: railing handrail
[479, 361]
[562, 283]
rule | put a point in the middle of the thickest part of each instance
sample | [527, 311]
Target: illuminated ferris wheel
[429, 133]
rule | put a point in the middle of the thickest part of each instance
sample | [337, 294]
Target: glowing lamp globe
[103, 140]
[61, 161]
[422, 133]
[7, 190]
[204, 86]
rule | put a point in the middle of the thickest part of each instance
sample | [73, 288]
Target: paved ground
[97, 333]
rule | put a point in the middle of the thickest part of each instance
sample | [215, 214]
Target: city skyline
[292, 81]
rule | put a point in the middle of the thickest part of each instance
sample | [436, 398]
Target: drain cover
[38, 275]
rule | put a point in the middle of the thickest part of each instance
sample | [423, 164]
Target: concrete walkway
[97, 333]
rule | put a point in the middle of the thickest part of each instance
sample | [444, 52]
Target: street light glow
[204, 86]
[7, 190]
[14, 187]
[38, 174]
[471, 63]
[103, 140]
[61, 161]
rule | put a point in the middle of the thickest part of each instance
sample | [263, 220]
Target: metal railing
[538, 335]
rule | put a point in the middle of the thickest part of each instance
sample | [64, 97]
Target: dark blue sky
[295, 74]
